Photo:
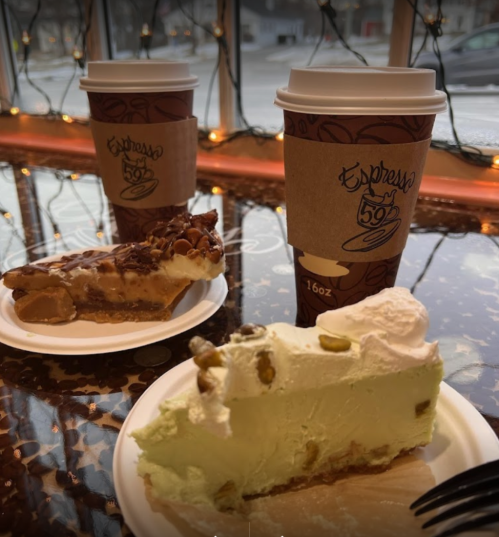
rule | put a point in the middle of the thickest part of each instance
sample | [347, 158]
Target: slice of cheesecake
[280, 405]
[133, 282]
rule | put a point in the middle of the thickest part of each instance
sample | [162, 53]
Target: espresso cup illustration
[145, 139]
[355, 145]
[376, 211]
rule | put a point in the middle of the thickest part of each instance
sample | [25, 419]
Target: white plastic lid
[343, 90]
[144, 76]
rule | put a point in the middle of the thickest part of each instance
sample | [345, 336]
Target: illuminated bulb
[57, 236]
[14, 110]
[218, 31]
[66, 118]
[213, 136]
[485, 228]
[74, 176]
[77, 54]
[25, 171]
[216, 190]
[145, 30]
[187, 33]
[280, 136]
[7, 215]
[279, 210]
[52, 39]
[495, 160]
[25, 38]
[173, 33]
[100, 234]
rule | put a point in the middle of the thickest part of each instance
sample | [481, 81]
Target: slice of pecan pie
[134, 282]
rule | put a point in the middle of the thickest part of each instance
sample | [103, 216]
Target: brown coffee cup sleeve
[144, 166]
[351, 202]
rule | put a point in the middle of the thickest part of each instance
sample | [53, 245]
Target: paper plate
[462, 439]
[86, 337]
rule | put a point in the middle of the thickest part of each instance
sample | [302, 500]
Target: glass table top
[60, 415]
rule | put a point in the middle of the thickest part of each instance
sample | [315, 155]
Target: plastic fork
[474, 495]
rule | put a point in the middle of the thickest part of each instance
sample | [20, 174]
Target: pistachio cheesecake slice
[133, 282]
[279, 405]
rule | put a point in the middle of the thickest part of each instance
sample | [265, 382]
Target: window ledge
[54, 144]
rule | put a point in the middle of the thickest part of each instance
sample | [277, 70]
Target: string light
[7, 215]
[14, 110]
[100, 234]
[74, 176]
[217, 31]
[145, 32]
[280, 136]
[495, 160]
[213, 136]
[279, 210]
[187, 33]
[57, 233]
[66, 118]
[216, 190]
[25, 172]
[26, 39]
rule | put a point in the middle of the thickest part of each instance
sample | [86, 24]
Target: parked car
[472, 59]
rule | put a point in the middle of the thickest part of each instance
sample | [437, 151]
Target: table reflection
[60, 415]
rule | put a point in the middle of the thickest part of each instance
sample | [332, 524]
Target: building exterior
[263, 22]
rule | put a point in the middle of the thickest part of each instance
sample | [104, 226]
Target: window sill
[54, 144]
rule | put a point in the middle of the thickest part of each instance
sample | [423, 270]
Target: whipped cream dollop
[387, 333]
[390, 329]
[393, 311]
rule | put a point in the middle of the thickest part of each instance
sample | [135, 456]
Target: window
[484, 40]
[290, 35]
[274, 35]
[47, 44]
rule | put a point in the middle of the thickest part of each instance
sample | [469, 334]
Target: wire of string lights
[433, 28]
[218, 33]
[326, 8]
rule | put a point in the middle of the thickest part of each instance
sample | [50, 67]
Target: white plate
[86, 337]
[462, 439]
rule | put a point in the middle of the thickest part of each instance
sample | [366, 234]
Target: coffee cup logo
[136, 172]
[377, 214]
[375, 211]
[141, 179]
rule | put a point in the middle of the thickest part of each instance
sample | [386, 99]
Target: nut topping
[248, 331]
[207, 359]
[182, 246]
[193, 235]
[226, 497]
[198, 345]
[205, 383]
[203, 244]
[266, 373]
[311, 454]
[334, 344]
[422, 407]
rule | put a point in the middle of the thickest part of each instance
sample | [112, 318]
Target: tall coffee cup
[355, 144]
[145, 139]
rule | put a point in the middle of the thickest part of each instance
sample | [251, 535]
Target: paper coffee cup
[355, 145]
[145, 139]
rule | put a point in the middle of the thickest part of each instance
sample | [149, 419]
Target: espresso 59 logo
[378, 213]
[136, 171]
